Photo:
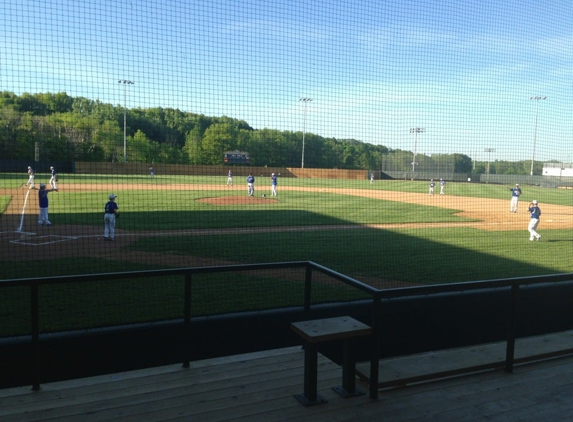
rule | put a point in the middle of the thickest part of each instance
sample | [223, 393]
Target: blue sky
[463, 70]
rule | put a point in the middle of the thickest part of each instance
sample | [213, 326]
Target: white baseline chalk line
[19, 229]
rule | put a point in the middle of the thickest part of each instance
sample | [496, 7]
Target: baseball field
[387, 234]
[386, 231]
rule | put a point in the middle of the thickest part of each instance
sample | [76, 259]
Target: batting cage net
[383, 140]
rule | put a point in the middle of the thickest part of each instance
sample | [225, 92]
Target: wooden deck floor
[260, 387]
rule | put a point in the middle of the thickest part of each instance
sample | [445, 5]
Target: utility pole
[415, 130]
[305, 101]
[489, 151]
[536, 98]
[125, 83]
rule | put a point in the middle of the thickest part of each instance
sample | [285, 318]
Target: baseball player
[273, 184]
[515, 194]
[230, 178]
[251, 184]
[534, 222]
[371, 177]
[432, 184]
[151, 172]
[43, 199]
[442, 186]
[54, 178]
[111, 209]
[30, 178]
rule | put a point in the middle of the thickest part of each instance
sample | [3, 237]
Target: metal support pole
[187, 321]
[307, 290]
[35, 355]
[512, 328]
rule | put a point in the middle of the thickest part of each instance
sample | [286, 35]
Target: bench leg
[310, 396]
[348, 387]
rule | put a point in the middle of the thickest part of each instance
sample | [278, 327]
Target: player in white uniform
[432, 184]
[230, 178]
[53, 179]
[442, 186]
[30, 182]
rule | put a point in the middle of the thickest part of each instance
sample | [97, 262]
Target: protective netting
[364, 124]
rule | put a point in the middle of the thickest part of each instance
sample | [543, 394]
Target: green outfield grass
[423, 256]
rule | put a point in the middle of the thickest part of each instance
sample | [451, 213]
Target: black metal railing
[377, 296]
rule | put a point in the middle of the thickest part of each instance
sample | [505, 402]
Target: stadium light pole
[305, 101]
[489, 151]
[416, 130]
[536, 98]
[125, 83]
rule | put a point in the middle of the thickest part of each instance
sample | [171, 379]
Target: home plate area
[32, 240]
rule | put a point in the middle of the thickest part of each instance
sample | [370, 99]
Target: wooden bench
[320, 330]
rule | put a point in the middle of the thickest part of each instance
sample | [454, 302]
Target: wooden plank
[428, 366]
[339, 328]
[261, 388]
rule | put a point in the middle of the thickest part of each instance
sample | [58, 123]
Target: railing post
[375, 358]
[35, 346]
[307, 289]
[512, 328]
[187, 321]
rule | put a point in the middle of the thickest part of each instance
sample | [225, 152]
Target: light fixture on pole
[416, 130]
[305, 101]
[125, 83]
[536, 98]
[489, 151]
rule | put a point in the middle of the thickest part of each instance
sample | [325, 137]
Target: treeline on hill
[80, 129]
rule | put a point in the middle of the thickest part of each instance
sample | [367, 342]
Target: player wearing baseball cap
[54, 179]
[534, 222]
[515, 194]
[111, 210]
[31, 178]
[274, 184]
[43, 200]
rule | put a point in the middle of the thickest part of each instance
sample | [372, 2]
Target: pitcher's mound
[238, 200]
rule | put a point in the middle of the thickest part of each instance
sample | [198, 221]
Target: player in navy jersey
[251, 184]
[274, 184]
[432, 184]
[230, 178]
[442, 186]
[534, 222]
[43, 200]
[515, 194]
[111, 209]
